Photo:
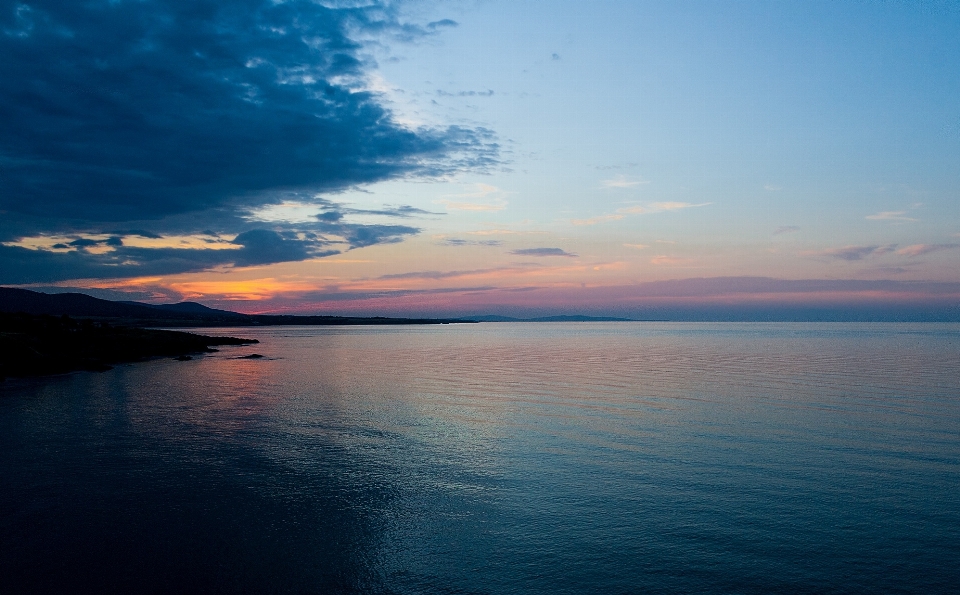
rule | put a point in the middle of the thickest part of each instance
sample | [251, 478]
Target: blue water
[496, 458]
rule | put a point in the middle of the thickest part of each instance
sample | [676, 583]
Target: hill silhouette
[138, 314]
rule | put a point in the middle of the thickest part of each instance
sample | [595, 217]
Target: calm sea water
[497, 458]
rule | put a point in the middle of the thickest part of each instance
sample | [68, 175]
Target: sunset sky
[453, 158]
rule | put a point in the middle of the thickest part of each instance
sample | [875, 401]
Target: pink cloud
[664, 259]
[921, 249]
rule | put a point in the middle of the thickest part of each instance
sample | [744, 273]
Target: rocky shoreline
[32, 345]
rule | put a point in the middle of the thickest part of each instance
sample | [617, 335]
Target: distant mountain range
[194, 314]
[562, 318]
[182, 314]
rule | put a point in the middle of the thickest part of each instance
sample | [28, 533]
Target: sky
[627, 158]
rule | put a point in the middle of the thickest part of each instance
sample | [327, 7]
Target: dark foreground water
[497, 458]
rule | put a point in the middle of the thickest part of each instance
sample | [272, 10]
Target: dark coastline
[184, 314]
[43, 334]
[41, 345]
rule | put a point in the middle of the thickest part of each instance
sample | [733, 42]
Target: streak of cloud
[852, 253]
[461, 242]
[494, 232]
[657, 207]
[890, 216]
[921, 249]
[438, 275]
[476, 201]
[473, 206]
[665, 259]
[597, 219]
[621, 181]
[487, 93]
[542, 252]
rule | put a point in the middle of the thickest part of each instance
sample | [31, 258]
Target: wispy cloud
[786, 229]
[637, 246]
[438, 275]
[303, 211]
[771, 188]
[657, 207]
[403, 211]
[485, 198]
[495, 232]
[921, 249]
[890, 216]
[482, 191]
[851, 253]
[543, 252]
[673, 206]
[621, 181]
[665, 259]
[473, 206]
[616, 166]
[487, 93]
[442, 23]
[597, 219]
[461, 242]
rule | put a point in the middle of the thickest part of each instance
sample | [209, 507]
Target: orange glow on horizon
[250, 290]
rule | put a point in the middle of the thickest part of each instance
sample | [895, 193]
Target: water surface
[497, 458]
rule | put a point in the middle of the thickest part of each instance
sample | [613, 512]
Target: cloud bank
[179, 117]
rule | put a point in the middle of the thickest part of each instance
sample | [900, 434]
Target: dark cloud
[146, 234]
[180, 116]
[263, 246]
[254, 247]
[84, 243]
[368, 235]
[542, 252]
[330, 216]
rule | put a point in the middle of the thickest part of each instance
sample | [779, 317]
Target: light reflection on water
[498, 458]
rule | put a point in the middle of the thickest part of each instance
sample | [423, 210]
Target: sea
[500, 458]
